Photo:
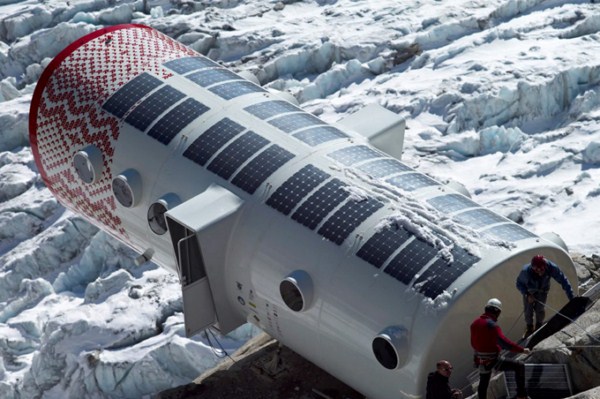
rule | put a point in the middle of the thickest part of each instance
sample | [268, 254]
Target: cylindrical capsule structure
[358, 262]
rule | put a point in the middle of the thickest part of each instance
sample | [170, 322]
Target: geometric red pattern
[66, 112]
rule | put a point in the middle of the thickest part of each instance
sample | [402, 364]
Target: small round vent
[297, 290]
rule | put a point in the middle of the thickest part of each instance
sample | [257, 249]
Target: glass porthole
[296, 291]
[390, 347]
[88, 164]
[156, 213]
[127, 188]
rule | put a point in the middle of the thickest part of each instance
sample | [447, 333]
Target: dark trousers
[501, 364]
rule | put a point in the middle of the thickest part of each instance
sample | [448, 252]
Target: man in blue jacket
[534, 283]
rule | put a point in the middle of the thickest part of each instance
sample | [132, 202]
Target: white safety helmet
[495, 303]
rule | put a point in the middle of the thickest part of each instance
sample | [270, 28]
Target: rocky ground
[261, 369]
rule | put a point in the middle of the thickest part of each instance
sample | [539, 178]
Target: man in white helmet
[488, 340]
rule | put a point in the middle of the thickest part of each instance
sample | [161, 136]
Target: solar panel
[188, 64]
[209, 142]
[319, 135]
[411, 181]
[207, 77]
[347, 219]
[318, 205]
[477, 218]
[355, 154]
[451, 203]
[292, 122]
[383, 167]
[123, 99]
[291, 192]
[236, 153]
[440, 275]
[404, 266]
[261, 167]
[231, 90]
[267, 109]
[509, 232]
[151, 108]
[382, 244]
[176, 120]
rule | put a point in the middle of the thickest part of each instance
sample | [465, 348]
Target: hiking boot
[528, 331]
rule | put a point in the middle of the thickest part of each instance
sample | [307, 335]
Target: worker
[488, 340]
[438, 383]
[534, 282]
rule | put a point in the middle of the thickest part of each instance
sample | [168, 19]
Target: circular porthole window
[127, 188]
[390, 347]
[296, 290]
[88, 164]
[156, 213]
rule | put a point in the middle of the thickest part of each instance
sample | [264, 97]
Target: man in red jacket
[488, 340]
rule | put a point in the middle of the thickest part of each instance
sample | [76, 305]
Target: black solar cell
[123, 99]
[231, 90]
[236, 153]
[152, 107]
[382, 244]
[319, 135]
[348, 218]
[294, 189]
[209, 142]
[411, 181]
[317, 206]
[351, 155]
[261, 167]
[268, 109]
[176, 120]
[292, 122]
[188, 64]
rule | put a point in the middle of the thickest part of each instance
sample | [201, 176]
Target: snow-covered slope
[503, 96]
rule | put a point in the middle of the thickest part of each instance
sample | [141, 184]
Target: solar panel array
[235, 89]
[268, 109]
[477, 218]
[381, 245]
[318, 135]
[508, 232]
[297, 187]
[411, 181]
[261, 167]
[152, 107]
[355, 154]
[164, 101]
[188, 64]
[383, 167]
[207, 77]
[346, 219]
[209, 142]
[291, 122]
[226, 146]
[410, 260]
[176, 120]
[312, 211]
[451, 203]
[123, 99]
[441, 274]
[235, 154]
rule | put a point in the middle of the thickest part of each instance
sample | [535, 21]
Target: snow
[501, 96]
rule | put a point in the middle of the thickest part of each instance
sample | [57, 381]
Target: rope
[570, 319]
